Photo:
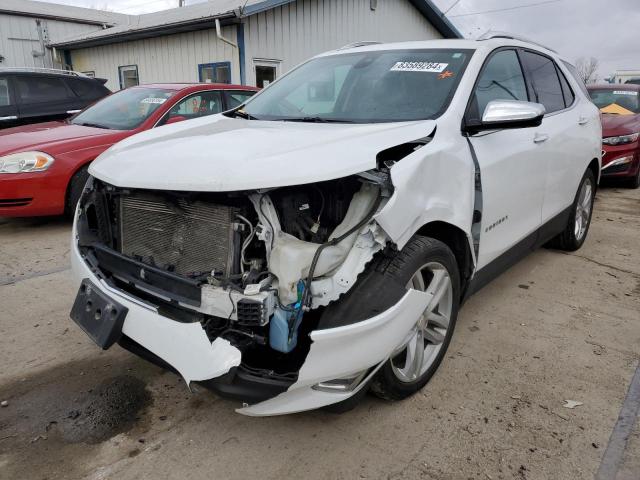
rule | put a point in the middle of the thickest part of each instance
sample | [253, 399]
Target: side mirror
[503, 114]
[176, 119]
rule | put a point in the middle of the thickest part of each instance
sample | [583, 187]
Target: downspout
[233, 44]
[219, 34]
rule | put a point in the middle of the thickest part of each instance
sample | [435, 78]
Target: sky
[608, 31]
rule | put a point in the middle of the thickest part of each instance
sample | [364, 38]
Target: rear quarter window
[86, 88]
[576, 77]
[5, 100]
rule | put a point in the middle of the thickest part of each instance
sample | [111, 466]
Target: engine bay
[256, 268]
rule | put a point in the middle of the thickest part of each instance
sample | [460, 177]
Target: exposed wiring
[246, 242]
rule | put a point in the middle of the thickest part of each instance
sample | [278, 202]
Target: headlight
[25, 162]
[621, 140]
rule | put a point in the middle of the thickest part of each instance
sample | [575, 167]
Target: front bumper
[612, 153]
[31, 194]
[334, 353]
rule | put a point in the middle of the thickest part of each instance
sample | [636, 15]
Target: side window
[5, 101]
[569, 97]
[576, 76]
[40, 89]
[194, 106]
[501, 79]
[546, 83]
[85, 89]
[236, 98]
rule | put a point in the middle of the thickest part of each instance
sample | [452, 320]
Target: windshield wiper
[315, 120]
[94, 125]
[242, 114]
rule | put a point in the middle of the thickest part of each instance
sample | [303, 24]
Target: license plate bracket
[98, 315]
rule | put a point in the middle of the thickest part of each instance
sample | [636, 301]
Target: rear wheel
[577, 226]
[76, 185]
[433, 269]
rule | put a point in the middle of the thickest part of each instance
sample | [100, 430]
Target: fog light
[341, 385]
[619, 161]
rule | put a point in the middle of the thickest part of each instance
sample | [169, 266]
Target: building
[624, 76]
[241, 41]
[28, 29]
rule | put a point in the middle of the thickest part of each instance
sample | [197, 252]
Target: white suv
[317, 242]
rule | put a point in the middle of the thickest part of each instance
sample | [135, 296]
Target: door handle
[71, 112]
[10, 117]
[583, 120]
[540, 137]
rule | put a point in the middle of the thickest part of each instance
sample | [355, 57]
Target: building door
[266, 71]
[128, 76]
[219, 72]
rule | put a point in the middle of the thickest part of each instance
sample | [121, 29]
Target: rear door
[513, 168]
[43, 97]
[8, 105]
[562, 133]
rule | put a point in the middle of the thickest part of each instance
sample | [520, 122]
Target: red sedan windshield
[124, 110]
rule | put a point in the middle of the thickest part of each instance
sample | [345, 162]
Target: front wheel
[427, 265]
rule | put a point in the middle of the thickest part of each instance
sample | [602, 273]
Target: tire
[74, 190]
[635, 181]
[437, 265]
[572, 237]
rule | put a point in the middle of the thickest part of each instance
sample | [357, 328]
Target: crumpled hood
[218, 153]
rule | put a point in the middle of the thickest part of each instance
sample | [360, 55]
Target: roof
[197, 86]
[203, 15]
[55, 11]
[615, 86]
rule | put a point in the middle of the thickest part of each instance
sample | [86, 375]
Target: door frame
[266, 62]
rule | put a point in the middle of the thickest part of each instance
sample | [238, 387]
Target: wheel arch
[594, 166]
[457, 240]
[67, 191]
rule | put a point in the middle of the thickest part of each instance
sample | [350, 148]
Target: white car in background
[317, 242]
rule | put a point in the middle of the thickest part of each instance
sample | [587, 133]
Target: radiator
[187, 238]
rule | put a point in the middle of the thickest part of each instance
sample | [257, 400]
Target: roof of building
[203, 15]
[56, 11]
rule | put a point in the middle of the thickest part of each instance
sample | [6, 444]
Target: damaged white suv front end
[315, 243]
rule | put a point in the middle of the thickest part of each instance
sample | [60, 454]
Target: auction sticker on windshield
[625, 92]
[153, 100]
[429, 67]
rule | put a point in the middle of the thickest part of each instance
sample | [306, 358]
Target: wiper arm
[315, 120]
[242, 114]
[94, 125]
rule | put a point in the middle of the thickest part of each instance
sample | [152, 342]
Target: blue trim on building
[214, 66]
[241, 50]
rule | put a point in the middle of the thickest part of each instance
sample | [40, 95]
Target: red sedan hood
[56, 137]
[614, 125]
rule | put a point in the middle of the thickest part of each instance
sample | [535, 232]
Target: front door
[512, 163]
[266, 71]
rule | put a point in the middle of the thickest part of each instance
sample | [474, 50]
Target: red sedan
[620, 107]
[43, 167]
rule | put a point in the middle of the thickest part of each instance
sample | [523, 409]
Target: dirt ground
[555, 327]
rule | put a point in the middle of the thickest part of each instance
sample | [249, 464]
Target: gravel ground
[555, 327]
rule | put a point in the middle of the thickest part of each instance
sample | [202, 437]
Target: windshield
[124, 110]
[364, 87]
[622, 102]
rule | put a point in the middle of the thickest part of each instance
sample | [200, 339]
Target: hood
[54, 137]
[614, 125]
[218, 153]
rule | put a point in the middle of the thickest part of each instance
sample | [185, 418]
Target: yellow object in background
[616, 109]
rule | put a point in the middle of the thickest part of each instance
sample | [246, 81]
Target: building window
[128, 75]
[219, 72]
[90, 74]
[266, 71]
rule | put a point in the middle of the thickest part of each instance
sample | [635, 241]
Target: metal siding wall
[171, 58]
[17, 53]
[293, 33]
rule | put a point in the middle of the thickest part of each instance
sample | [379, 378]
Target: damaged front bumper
[335, 353]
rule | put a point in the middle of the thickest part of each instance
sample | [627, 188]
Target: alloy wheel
[425, 340]
[583, 209]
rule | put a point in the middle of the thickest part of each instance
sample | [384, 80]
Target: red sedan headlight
[24, 162]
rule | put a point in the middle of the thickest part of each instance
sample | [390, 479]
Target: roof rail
[57, 71]
[359, 44]
[488, 35]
